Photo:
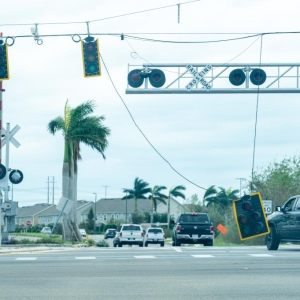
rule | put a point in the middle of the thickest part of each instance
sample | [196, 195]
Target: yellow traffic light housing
[250, 218]
[4, 66]
[91, 57]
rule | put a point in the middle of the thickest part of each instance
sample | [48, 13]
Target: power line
[101, 19]
[143, 132]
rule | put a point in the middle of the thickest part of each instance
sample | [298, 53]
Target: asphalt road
[223, 273]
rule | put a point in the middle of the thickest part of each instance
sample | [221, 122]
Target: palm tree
[77, 126]
[155, 196]
[175, 191]
[140, 188]
[210, 196]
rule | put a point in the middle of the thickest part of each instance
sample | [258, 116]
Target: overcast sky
[207, 138]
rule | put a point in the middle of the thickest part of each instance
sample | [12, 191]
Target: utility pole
[95, 216]
[105, 186]
[241, 179]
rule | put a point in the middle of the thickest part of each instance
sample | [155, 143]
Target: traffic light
[250, 218]
[90, 57]
[4, 67]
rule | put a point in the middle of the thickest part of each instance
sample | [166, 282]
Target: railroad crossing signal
[198, 77]
[250, 217]
[90, 57]
[4, 66]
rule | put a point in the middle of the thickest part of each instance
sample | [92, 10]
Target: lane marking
[177, 249]
[85, 257]
[261, 255]
[202, 255]
[145, 256]
[26, 258]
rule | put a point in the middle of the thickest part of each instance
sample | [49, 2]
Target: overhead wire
[256, 117]
[100, 19]
[140, 130]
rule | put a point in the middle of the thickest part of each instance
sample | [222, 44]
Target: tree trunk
[151, 219]
[169, 211]
[135, 204]
[70, 227]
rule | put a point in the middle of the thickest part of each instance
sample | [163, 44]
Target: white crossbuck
[198, 77]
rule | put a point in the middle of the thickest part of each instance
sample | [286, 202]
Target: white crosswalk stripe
[145, 256]
[26, 258]
[85, 257]
[202, 255]
[261, 255]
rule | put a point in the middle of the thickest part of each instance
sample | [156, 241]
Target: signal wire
[256, 114]
[140, 130]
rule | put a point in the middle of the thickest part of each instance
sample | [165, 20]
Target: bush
[48, 240]
[91, 242]
[102, 243]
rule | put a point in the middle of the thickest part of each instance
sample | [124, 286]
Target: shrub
[102, 243]
[48, 240]
[91, 242]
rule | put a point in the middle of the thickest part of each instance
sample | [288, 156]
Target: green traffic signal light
[4, 67]
[91, 58]
[250, 217]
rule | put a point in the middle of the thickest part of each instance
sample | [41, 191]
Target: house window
[117, 216]
[112, 216]
[104, 217]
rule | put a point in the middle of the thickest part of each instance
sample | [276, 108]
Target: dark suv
[284, 224]
[110, 233]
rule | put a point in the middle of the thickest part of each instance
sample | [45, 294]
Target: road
[223, 273]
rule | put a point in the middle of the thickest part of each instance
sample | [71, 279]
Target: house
[45, 213]
[116, 208]
[176, 208]
[119, 209]
[28, 215]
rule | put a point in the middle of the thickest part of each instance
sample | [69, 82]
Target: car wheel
[120, 245]
[146, 244]
[162, 244]
[272, 240]
[141, 245]
[115, 245]
[177, 243]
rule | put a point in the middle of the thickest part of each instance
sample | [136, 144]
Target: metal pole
[105, 186]
[95, 217]
[241, 179]
[126, 207]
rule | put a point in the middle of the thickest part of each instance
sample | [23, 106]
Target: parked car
[46, 230]
[155, 236]
[110, 233]
[82, 232]
[116, 239]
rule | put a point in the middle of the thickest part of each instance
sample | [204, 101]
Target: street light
[241, 179]
[95, 213]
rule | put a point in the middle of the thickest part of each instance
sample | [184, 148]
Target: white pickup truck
[155, 236]
[131, 234]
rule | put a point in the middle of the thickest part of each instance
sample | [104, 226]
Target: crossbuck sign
[198, 77]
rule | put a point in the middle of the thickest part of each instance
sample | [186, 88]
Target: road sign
[198, 77]
[9, 136]
[268, 206]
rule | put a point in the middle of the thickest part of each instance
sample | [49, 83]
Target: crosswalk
[203, 256]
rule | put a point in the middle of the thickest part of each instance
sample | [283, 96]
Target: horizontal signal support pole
[212, 91]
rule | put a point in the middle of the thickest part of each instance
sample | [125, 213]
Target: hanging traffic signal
[250, 218]
[90, 57]
[4, 67]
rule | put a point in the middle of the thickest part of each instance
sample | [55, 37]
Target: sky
[207, 138]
